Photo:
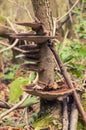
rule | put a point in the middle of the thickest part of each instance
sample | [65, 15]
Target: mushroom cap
[49, 95]
[32, 24]
[33, 37]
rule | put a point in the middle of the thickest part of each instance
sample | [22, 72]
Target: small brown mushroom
[29, 47]
[31, 67]
[36, 60]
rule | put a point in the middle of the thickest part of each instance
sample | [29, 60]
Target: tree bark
[53, 108]
[44, 15]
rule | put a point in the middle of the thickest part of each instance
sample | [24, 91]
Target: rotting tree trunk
[46, 77]
[43, 14]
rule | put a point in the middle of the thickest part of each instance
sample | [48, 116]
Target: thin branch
[65, 114]
[68, 18]
[22, 116]
[14, 107]
[15, 48]
[10, 23]
[28, 12]
[54, 26]
[74, 117]
[10, 47]
[22, 7]
[68, 11]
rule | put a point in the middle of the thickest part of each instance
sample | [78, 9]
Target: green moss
[2, 19]
[81, 125]
[47, 121]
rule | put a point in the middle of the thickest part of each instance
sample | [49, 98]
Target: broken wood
[73, 117]
[65, 121]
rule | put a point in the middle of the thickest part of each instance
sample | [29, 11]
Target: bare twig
[68, 11]
[26, 117]
[65, 115]
[70, 14]
[10, 23]
[10, 47]
[28, 12]
[15, 48]
[22, 116]
[54, 26]
[22, 7]
[64, 41]
[14, 107]
[74, 117]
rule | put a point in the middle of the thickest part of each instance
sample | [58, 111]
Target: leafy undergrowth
[12, 77]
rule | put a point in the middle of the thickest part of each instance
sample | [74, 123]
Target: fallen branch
[10, 47]
[65, 115]
[68, 81]
[15, 48]
[74, 117]
[14, 107]
[68, 11]
[11, 25]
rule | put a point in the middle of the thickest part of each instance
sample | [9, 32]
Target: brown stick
[15, 48]
[68, 81]
[65, 115]
[14, 107]
[74, 117]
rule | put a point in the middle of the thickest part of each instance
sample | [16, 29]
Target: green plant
[80, 26]
[9, 73]
[15, 87]
[84, 1]
[73, 55]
